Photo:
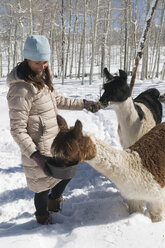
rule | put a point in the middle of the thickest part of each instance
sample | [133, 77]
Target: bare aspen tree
[80, 56]
[133, 35]
[30, 17]
[22, 39]
[1, 68]
[62, 40]
[51, 42]
[76, 58]
[9, 50]
[1, 49]
[121, 45]
[57, 36]
[52, 37]
[144, 70]
[10, 28]
[94, 37]
[106, 25]
[126, 32]
[123, 33]
[73, 37]
[58, 53]
[142, 41]
[52, 58]
[109, 38]
[163, 72]
[84, 40]
[15, 44]
[160, 27]
[69, 38]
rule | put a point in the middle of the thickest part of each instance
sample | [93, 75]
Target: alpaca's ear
[108, 76]
[61, 122]
[77, 130]
[123, 74]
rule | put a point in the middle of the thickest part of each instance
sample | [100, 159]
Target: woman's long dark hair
[25, 72]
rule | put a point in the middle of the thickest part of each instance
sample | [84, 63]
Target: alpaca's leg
[135, 206]
[156, 209]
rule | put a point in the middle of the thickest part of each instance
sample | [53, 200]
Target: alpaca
[138, 172]
[135, 117]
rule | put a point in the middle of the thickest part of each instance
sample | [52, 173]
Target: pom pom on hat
[37, 48]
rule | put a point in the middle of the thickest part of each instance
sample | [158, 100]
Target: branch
[142, 41]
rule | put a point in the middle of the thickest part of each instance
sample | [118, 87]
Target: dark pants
[41, 199]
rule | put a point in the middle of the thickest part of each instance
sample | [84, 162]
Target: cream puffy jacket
[34, 125]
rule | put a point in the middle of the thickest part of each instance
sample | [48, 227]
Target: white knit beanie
[37, 48]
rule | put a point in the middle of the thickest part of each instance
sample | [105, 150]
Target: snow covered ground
[94, 214]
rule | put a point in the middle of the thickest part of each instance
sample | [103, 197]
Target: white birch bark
[84, 40]
[142, 41]
[15, 45]
[105, 34]
[1, 68]
[30, 18]
[94, 41]
[163, 72]
[63, 41]
[73, 47]
[69, 38]
[159, 38]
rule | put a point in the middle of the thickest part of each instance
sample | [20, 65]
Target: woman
[33, 104]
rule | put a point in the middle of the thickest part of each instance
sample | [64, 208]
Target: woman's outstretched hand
[92, 106]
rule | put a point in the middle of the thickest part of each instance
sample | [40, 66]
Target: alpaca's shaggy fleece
[152, 152]
[138, 172]
[138, 181]
[135, 117]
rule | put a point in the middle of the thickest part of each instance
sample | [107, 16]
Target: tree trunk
[105, 35]
[142, 42]
[1, 72]
[163, 72]
[73, 38]
[31, 18]
[94, 41]
[62, 40]
[159, 37]
[15, 45]
[84, 40]
[69, 35]
[144, 70]
[126, 30]
[80, 56]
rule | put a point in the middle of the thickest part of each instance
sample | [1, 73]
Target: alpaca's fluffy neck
[126, 113]
[110, 161]
[125, 169]
[129, 122]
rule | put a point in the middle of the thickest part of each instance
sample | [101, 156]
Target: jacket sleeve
[19, 102]
[68, 103]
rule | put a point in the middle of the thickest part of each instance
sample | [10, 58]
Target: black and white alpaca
[138, 172]
[135, 117]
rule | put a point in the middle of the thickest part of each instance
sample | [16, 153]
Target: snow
[93, 214]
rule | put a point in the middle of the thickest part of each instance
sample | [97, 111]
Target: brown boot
[44, 219]
[54, 204]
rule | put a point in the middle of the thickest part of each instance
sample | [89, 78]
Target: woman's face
[37, 66]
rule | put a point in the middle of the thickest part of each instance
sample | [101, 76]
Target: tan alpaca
[138, 172]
